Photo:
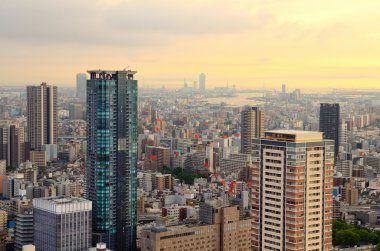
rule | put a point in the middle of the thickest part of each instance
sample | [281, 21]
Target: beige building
[3, 219]
[162, 182]
[252, 126]
[39, 158]
[3, 167]
[292, 191]
[3, 229]
[228, 232]
[350, 194]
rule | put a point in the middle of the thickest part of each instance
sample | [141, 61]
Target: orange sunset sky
[250, 43]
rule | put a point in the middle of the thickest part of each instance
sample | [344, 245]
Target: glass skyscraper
[112, 156]
[329, 123]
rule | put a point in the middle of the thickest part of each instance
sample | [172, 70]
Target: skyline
[267, 43]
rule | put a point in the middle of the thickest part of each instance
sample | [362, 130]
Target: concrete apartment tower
[41, 115]
[252, 126]
[292, 191]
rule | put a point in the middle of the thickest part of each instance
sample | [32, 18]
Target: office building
[329, 118]
[225, 231]
[112, 156]
[159, 156]
[81, 86]
[41, 115]
[24, 230]
[72, 215]
[202, 82]
[291, 192]
[283, 89]
[252, 126]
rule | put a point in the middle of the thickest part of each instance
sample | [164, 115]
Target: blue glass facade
[112, 156]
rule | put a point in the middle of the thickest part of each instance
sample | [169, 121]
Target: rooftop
[294, 135]
[112, 72]
[62, 204]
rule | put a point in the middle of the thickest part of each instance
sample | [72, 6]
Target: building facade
[62, 223]
[41, 115]
[81, 86]
[24, 230]
[225, 232]
[292, 191]
[329, 119]
[112, 156]
[252, 126]
[13, 146]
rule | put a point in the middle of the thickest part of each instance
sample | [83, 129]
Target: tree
[378, 247]
[347, 238]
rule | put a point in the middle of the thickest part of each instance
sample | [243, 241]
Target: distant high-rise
[283, 88]
[62, 223]
[329, 119]
[291, 192]
[202, 82]
[112, 156]
[13, 147]
[41, 115]
[81, 86]
[252, 126]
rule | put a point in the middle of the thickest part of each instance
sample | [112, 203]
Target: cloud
[115, 22]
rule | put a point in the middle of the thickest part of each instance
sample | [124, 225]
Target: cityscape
[207, 125]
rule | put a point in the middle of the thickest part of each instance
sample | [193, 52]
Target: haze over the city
[250, 43]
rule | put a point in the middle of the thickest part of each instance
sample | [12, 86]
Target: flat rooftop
[62, 204]
[111, 72]
[294, 135]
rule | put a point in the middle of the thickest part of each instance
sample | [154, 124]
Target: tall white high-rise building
[291, 192]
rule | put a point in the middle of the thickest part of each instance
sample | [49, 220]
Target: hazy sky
[250, 43]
